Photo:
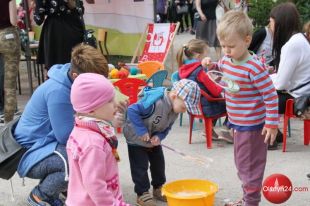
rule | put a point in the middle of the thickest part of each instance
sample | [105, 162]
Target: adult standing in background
[61, 31]
[10, 51]
[191, 12]
[161, 8]
[179, 5]
[206, 26]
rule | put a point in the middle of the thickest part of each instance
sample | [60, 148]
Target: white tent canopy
[127, 16]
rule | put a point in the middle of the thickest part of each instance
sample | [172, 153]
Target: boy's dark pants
[250, 153]
[139, 158]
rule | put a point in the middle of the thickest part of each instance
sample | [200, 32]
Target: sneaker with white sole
[145, 199]
[226, 136]
[237, 203]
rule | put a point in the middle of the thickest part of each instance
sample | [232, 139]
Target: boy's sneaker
[34, 200]
[157, 194]
[145, 199]
[237, 203]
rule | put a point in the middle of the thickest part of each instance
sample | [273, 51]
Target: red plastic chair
[130, 87]
[208, 121]
[289, 113]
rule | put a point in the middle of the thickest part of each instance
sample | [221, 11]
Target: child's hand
[122, 106]
[118, 120]
[270, 134]
[205, 62]
[119, 117]
[155, 141]
[145, 137]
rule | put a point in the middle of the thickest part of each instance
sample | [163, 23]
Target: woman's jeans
[51, 172]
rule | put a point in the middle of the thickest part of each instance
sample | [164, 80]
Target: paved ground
[294, 163]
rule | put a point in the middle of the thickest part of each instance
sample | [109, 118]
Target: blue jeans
[51, 172]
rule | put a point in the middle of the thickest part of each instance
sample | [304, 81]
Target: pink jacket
[93, 170]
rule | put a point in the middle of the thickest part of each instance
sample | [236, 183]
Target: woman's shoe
[279, 137]
[226, 136]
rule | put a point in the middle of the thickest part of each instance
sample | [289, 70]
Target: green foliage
[304, 9]
[259, 10]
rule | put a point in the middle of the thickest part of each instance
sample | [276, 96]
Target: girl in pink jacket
[91, 148]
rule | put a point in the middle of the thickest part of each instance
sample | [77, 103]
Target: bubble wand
[224, 82]
[204, 161]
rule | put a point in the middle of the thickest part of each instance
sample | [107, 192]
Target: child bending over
[148, 123]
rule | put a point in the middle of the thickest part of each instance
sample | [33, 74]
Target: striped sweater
[257, 102]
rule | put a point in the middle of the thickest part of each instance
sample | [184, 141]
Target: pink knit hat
[89, 91]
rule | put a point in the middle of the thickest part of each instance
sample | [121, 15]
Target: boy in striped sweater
[253, 110]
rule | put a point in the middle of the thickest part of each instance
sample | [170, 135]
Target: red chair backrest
[210, 98]
[130, 87]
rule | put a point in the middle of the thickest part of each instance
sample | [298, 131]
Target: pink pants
[250, 154]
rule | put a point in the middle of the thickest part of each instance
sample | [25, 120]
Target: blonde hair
[234, 22]
[85, 58]
[307, 29]
[192, 48]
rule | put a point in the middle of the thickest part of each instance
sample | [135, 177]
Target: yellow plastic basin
[190, 192]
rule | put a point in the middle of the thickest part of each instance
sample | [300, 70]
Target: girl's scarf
[102, 127]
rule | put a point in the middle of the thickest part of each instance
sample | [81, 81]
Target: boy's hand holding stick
[145, 137]
[155, 141]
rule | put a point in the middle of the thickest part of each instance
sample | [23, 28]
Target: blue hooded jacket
[47, 120]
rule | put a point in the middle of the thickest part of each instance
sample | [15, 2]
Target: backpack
[10, 151]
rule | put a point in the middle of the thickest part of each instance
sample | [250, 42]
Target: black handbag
[182, 9]
[301, 104]
[10, 151]
[89, 38]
